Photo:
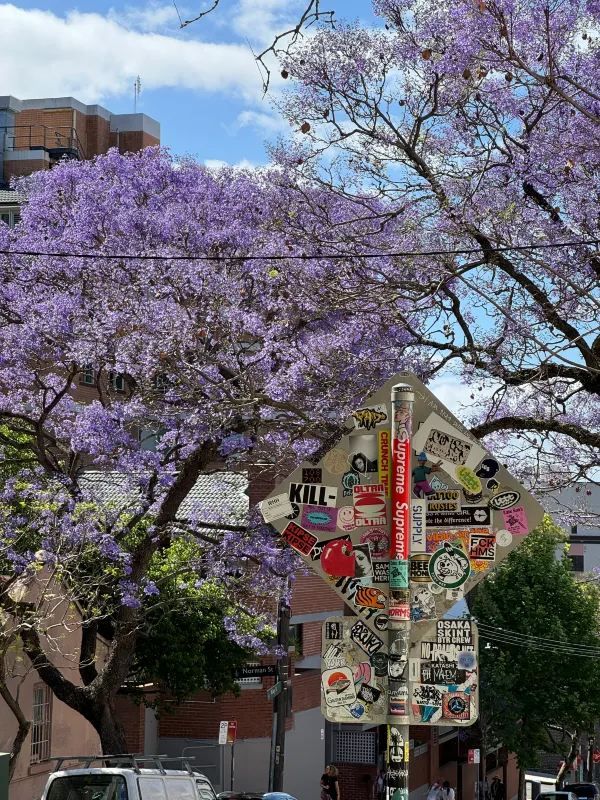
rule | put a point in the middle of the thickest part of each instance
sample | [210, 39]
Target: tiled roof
[219, 497]
[8, 196]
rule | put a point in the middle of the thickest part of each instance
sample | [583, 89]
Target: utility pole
[281, 701]
[399, 596]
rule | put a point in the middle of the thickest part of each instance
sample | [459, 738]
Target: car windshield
[582, 789]
[88, 787]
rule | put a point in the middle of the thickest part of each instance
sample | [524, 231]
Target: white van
[127, 778]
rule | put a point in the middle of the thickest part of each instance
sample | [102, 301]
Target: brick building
[35, 134]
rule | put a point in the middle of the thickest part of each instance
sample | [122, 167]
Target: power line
[304, 256]
[571, 651]
[517, 639]
[505, 632]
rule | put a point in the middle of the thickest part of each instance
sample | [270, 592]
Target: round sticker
[503, 538]
[345, 518]
[295, 511]
[449, 567]
[378, 540]
[488, 468]
[467, 478]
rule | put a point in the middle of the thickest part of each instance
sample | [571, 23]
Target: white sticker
[418, 542]
[435, 589]
[276, 507]
[414, 669]
[369, 417]
[338, 687]
[345, 518]
[503, 538]
[455, 594]
[446, 445]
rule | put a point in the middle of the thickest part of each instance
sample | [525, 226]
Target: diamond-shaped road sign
[405, 514]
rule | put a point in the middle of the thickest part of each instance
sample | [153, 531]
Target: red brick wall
[15, 169]
[132, 718]
[356, 781]
[312, 594]
[130, 141]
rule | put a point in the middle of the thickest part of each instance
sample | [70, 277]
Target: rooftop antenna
[137, 90]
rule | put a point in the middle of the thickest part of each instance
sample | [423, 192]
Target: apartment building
[36, 134]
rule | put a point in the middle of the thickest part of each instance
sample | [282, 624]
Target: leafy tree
[476, 126]
[152, 280]
[538, 693]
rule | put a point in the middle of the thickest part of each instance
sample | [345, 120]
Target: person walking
[497, 789]
[435, 790]
[330, 787]
[447, 792]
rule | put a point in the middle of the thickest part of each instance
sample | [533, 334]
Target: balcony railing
[57, 141]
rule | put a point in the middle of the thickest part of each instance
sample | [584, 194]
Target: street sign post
[401, 517]
[275, 690]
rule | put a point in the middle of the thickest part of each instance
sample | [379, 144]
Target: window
[355, 747]
[88, 787]
[87, 376]
[10, 216]
[576, 563]
[41, 723]
[296, 643]
[117, 382]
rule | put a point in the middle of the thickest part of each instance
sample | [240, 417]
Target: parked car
[255, 796]
[556, 796]
[584, 791]
[126, 778]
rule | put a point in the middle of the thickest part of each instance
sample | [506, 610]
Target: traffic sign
[223, 725]
[275, 690]
[474, 756]
[256, 671]
[402, 517]
[231, 731]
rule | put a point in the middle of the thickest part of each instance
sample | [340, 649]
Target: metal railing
[57, 140]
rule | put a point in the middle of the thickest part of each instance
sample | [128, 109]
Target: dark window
[87, 376]
[117, 382]
[296, 639]
[577, 563]
[573, 530]
[88, 787]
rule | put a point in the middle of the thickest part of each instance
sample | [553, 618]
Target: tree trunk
[108, 726]
[521, 792]
[23, 723]
[568, 761]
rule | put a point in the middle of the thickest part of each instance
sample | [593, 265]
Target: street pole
[399, 599]
[280, 702]
[590, 760]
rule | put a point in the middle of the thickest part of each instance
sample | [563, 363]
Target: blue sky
[200, 83]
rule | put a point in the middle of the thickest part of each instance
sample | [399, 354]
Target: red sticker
[302, 541]
[369, 505]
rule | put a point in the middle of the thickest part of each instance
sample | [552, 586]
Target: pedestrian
[447, 792]
[379, 786]
[330, 787]
[434, 790]
[497, 789]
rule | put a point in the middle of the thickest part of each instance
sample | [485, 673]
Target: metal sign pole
[399, 596]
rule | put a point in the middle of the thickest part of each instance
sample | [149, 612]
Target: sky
[200, 82]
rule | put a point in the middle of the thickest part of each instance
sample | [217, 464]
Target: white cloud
[154, 16]
[268, 123]
[217, 163]
[261, 20]
[92, 57]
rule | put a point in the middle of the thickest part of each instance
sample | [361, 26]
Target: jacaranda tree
[151, 279]
[476, 125]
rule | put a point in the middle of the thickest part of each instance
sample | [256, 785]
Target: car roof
[174, 773]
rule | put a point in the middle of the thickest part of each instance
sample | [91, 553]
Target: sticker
[364, 565]
[440, 440]
[381, 622]
[369, 505]
[454, 595]
[417, 529]
[420, 476]
[505, 499]
[482, 547]
[345, 518]
[434, 588]
[275, 507]
[422, 603]
[493, 485]
[365, 638]
[398, 573]
[312, 475]
[465, 517]
[381, 572]
[418, 568]
[437, 484]
[349, 481]
[487, 469]
[379, 664]
[357, 710]
[295, 512]
[438, 672]
[364, 454]
[449, 566]
[334, 656]
[456, 705]
[414, 669]
[362, 672]
[302, 541]
[368, 693]
[503, 538]
[468, 479]
[467, 660]
[337, 558]
[370, 417]
[334, 631]
[454, 631]
[473, 497]
[319, 518]
[434, 651]
[384, 462]
[398, 699]
[336, 461]
[378, 541]
[515, 521]
[313, 494]
[448, 500]
[425, 695]
[368, 597]
[315, 553]
[338, 687]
